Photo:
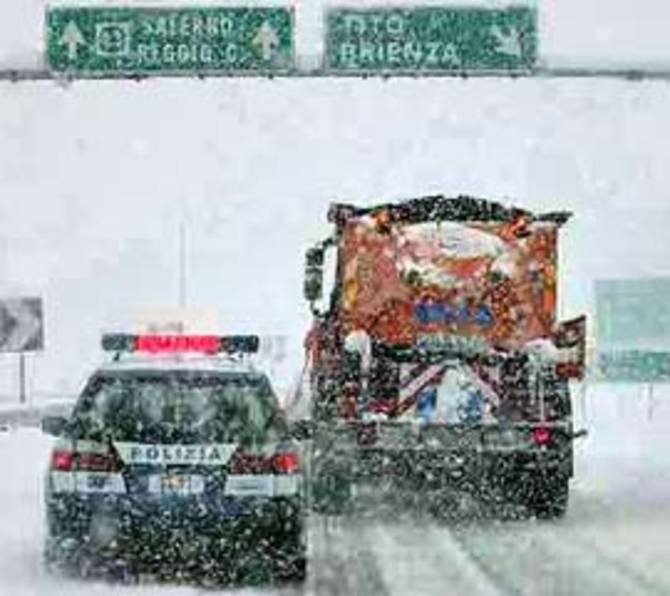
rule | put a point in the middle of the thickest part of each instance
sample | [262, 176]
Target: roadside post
[21, 331]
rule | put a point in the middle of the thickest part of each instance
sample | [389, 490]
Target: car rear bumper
[151, 538]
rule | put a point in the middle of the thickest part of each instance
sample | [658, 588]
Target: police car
[176, 462]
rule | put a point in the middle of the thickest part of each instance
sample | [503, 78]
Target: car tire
[292, 562]
[51, 556]
[57, 560]
[295, 571]
[290, 554]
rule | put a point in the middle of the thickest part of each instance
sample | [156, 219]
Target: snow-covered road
[608, 544]
[613, 541]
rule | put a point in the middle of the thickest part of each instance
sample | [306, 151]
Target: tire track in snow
[424, 559]
[545, 558]
[634, 570]
[327, 564]
[634, 541]
[343, 562]
[626, 573]
[518, 563]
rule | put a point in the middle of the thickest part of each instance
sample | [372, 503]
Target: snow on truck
[438, 361]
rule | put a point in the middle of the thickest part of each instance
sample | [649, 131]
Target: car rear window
[180, 408]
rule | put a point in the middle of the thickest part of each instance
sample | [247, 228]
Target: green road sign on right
[431, 39]
[634, 366]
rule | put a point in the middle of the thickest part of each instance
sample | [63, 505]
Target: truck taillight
[286, 463]
[542, 436]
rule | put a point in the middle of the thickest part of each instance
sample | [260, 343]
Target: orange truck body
[495, 281]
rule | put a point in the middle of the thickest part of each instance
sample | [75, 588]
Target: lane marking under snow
[418, 559]
[605, 569]
[343, 561]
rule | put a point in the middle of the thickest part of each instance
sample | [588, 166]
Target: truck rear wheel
[331, 492]
[547, 496]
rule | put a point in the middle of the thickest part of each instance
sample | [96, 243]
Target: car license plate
[177, 484]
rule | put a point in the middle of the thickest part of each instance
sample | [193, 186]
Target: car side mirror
[53, 425]
[313, 287]
[301, 430]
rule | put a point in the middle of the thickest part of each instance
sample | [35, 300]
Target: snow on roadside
[626, 455]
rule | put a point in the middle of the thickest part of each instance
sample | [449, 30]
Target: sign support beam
[22, 377]
[23, 75]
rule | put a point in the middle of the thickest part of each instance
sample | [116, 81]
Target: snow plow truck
[436, 362]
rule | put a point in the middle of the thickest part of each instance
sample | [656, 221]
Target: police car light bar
[174, 344]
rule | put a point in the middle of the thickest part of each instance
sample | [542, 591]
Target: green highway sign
[633, 314]
[431, 39]
[634, 366]
[118, 41]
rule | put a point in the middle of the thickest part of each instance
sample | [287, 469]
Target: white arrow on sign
[508, 43]
[22, 326]
[72, 38]
[267, 39]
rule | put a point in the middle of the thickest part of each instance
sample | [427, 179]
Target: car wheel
[292, 556]
[299, 571]
[292, 569]
[50, 555]
[58, 559]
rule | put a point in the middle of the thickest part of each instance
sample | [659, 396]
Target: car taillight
[248, 463]
[62, 460]
[542, 436]
[286, 463]
[96, 462]
[69, 461]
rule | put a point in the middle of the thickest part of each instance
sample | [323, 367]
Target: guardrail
[18, 75]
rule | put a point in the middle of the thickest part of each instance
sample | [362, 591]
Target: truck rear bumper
[438, 451]
[439, 468]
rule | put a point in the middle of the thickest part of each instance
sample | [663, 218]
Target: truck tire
[548, 496]
[331, 492]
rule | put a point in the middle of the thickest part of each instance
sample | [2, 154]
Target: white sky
[95, 176]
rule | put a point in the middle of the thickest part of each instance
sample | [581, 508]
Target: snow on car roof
[179, 363]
